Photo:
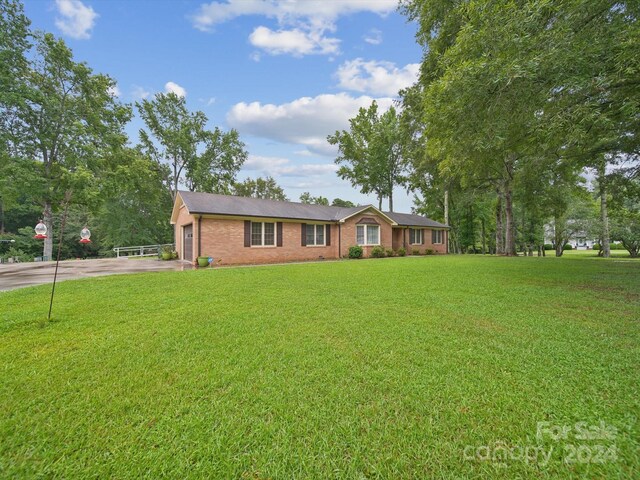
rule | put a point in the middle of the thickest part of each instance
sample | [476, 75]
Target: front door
[187, 242]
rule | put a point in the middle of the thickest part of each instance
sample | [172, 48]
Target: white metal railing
[141, 250]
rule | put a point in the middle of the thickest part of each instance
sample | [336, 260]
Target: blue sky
[285, 74]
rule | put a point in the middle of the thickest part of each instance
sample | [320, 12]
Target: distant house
[241, 230]
[578, 238]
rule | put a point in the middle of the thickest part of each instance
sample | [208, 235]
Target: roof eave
[177, 204]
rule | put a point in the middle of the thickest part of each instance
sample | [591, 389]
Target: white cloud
[172, 87]
[287, 12]
[374, 37]
[276, 166]
[76, 19]
[114, 91]
[310, 185]
[264, 164]
[306, 121]
[303, 153]
[139, 93]
[296, 42]
[306, 22]
[376, 78]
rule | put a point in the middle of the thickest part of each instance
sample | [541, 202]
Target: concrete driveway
[18, 275]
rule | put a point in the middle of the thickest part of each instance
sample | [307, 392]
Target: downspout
[339, 240]
[199, 236]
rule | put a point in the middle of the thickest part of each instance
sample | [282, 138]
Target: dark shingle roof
[410, 220]
[214, 204]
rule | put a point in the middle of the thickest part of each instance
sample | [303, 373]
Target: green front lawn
[395, 368]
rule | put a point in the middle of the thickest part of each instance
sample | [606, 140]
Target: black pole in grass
[67, 197]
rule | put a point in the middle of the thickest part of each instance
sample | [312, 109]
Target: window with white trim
[315, 235]
[368, 235]
[415, 236]
[263, 234]
[436, 236]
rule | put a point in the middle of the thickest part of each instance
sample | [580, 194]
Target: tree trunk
[510, 228]
[509, 237]
[499, 244]
[605, 246]
[380, 202]
[391, 202]
[47, 250]
[484, 237]
[557, 237]
[446, 207]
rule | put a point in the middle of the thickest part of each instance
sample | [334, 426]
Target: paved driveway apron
[18, 275]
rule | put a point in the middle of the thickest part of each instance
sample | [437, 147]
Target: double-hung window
[436, 236]
[415, 236]
[315, 235]
[368, 234]
[263, 234]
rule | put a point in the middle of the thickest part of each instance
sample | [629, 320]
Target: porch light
[85, 235]
[41, 231]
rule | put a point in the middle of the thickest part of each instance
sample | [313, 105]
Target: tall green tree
[66, 118]
[15, 42]
[371, 154]
[505, 82]
[266, 188]
[136, 205]
[216, 168]
[205, 160]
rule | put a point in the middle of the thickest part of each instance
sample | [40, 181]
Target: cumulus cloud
[172, 87]
[376, 78]
[305, 121]
[76, 19]
[304, 24]
[296, 42]
[277, 166]
[374, 37]
[139, 93]
[287, 12]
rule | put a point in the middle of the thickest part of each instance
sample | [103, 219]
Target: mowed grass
[430, 367]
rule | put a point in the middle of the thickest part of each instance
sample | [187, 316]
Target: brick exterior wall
[349, 233]
[437, 247]
[401, 238]
[223, 239]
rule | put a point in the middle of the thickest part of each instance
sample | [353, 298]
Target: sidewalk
[18, 275]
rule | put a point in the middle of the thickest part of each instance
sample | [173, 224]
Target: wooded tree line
[516, 100]
[62, 137]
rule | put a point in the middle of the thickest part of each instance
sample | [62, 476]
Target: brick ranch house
[241, 230]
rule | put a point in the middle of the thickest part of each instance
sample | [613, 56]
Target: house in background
[578, 238]
[242, 230]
